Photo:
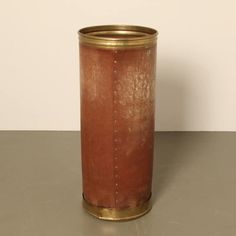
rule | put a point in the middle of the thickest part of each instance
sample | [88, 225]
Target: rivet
[115, 61]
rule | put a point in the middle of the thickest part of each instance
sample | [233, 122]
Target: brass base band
[116, 214]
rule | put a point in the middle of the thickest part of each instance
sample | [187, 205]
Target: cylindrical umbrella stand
[117, 84]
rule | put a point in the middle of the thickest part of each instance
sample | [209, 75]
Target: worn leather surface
[117, 124]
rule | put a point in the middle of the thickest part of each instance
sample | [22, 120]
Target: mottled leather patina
[117, 124]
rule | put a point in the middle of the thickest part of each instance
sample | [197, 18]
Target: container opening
[124, 36]
[117, 34]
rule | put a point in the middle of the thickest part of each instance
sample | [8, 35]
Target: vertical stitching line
[115, 140]
[113, 123]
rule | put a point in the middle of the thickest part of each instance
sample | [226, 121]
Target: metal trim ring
[118, 36]
[117, 214]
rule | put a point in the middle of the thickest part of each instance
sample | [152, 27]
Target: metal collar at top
[118, 36]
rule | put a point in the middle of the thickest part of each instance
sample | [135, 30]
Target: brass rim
[116, 214]
[118, 36]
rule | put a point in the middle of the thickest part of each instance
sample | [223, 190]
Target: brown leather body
[117, 124]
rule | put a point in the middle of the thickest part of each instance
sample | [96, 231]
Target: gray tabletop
[194, 187]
